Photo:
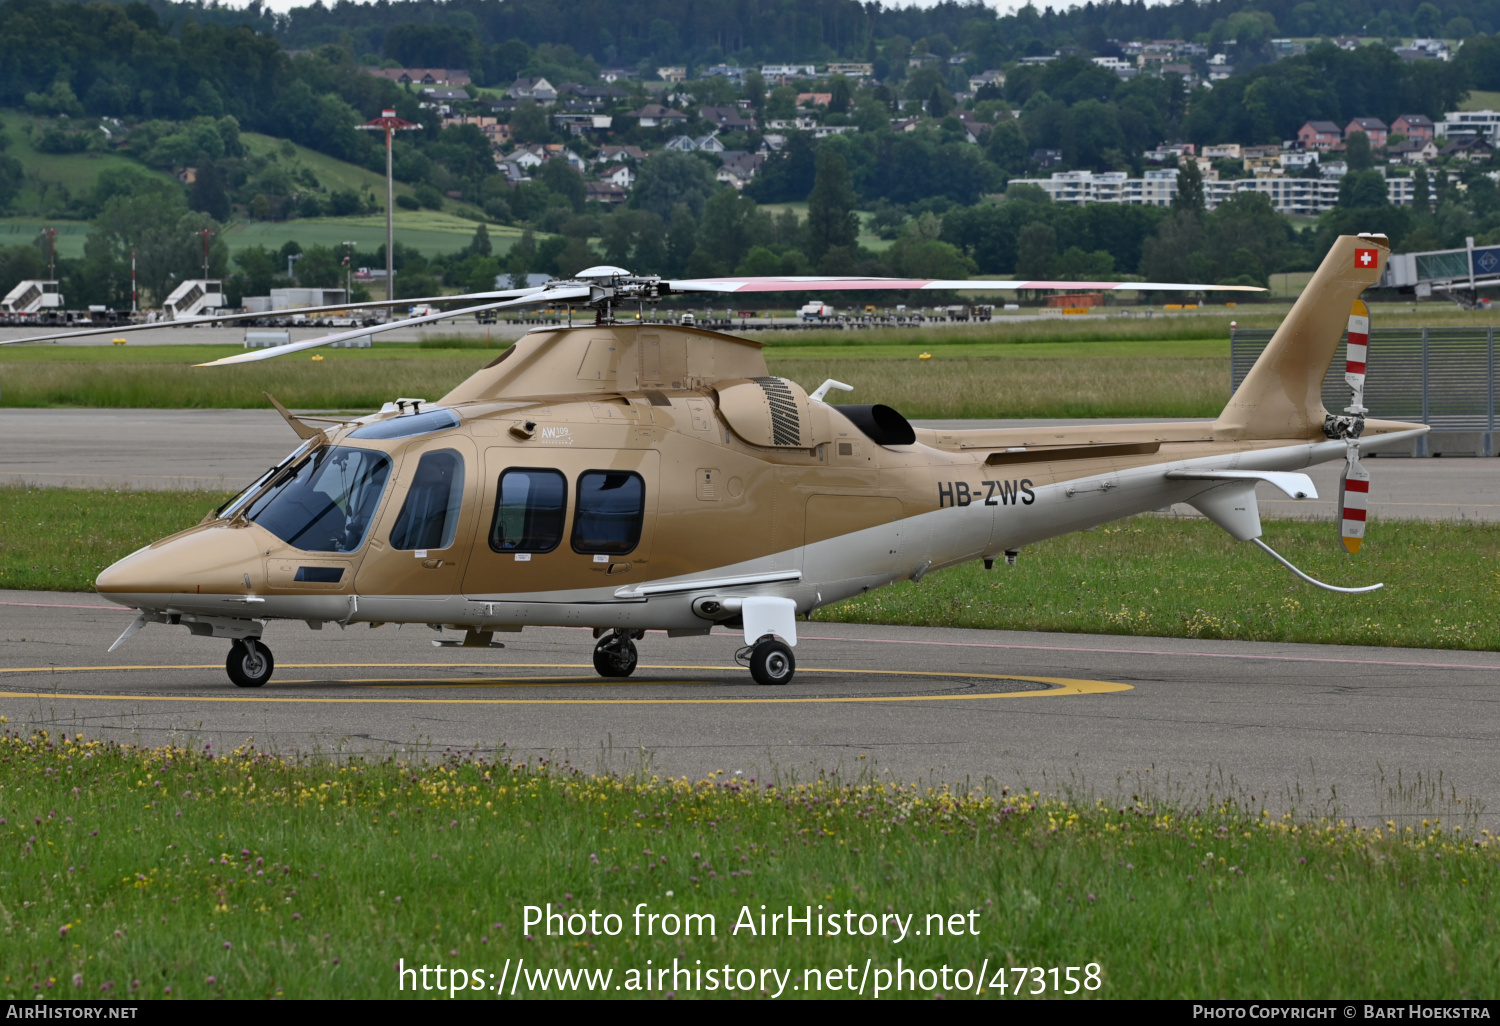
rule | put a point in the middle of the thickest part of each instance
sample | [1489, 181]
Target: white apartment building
[1158, 188]
[1459, 123]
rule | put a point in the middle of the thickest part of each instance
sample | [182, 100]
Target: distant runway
[227, 449]
[1292, 724]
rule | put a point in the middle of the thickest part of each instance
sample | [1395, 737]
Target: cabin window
[529, 511]
[611, 506]
[326, 502]
[429, 517]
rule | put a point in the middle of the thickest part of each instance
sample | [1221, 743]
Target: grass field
[964, 379]
[1479, 99]
[427, 231]
[184, 873]
[1150, 576]
[76, 172]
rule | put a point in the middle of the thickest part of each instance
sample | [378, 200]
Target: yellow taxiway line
[1059, 686]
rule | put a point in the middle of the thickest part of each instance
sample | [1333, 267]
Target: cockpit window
[240, 500]
[429, 517]
[326, 502]
[408, 425]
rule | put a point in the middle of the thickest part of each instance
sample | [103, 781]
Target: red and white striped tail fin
[1358, 354]
[1354, 501]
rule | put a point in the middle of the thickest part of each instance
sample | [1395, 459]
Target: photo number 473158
[991, 493]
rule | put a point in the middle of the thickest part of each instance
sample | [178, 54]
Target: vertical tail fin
[1282, 396]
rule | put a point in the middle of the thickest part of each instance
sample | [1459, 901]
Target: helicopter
[631, 476]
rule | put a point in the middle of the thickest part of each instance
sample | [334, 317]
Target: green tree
[1363, 189]
[831, 220]
[518, 260]
[1357, 152]
[1421, 193]
[1036, 249]
[1007, 146]
[479, 245]
[1189, 198]
[560, 176]
[670, 179]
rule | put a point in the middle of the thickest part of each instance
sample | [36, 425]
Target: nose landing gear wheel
[771, 662]
[250, 663]
[615, 655]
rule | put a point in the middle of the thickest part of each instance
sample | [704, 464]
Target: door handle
[432, 564]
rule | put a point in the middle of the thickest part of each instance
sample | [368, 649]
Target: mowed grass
[1099, 386]
[1169, 577]
[122, 377]
[1095, 379]
[182, 873]
[1148, 576]
[428, 232]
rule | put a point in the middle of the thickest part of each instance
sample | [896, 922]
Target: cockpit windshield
[326, 502]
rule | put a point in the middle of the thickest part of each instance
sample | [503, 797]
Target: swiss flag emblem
[1366, 258]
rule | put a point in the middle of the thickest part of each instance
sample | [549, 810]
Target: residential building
[538, 89]
[604, 192]
[1298, 160]
[1115, 64]
[1334, 169]
[1425, 49]
[654, 114]
[1375, 129]
[577, 123]
[680, 143]
[492, 129]
[1401, 190]
[617, 74]
[781, 72]
[423, 76]
[1303, 196]
[1409, 152]
[974, 129]
[441, 100]
[537, 154]
[1320, 135]
[672, 73]
[984, 78]
[1473, 148]
[797, 124]
[1224, 151]
[708, 144]
[733, 72]
[1346, 43]
[738, 168]
[1161, 153]
[807, 101]
[853, 69]
[1046, 158]
[615, 154]
[916, 60]
[1459, 123]
[1288, 48]
[620, 174]
[727, 119]
[1417, 127]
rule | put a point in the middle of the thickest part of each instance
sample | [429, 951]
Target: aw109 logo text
[991, 493]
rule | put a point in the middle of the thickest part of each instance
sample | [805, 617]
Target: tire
[615, 658]
[772, 663]
[247, 671]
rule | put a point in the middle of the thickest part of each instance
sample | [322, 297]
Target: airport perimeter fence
[1443, 377]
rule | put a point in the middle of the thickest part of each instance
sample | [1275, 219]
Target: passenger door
[424, 538]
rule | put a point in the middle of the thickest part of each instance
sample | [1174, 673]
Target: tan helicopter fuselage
[738, 483]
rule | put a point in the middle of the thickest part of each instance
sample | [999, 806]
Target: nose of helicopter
[210, 561]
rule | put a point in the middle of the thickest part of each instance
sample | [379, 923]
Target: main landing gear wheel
[615, 655]
[250, 663]
[771, 662]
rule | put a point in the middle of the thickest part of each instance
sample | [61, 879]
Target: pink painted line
[62, 605]
[1158, 652]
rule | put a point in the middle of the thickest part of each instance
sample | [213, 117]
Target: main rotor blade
[283, 312]
[256, 355]
[832, 283]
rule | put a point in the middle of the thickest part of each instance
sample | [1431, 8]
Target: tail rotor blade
[1354, 500]
[1358, 355]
